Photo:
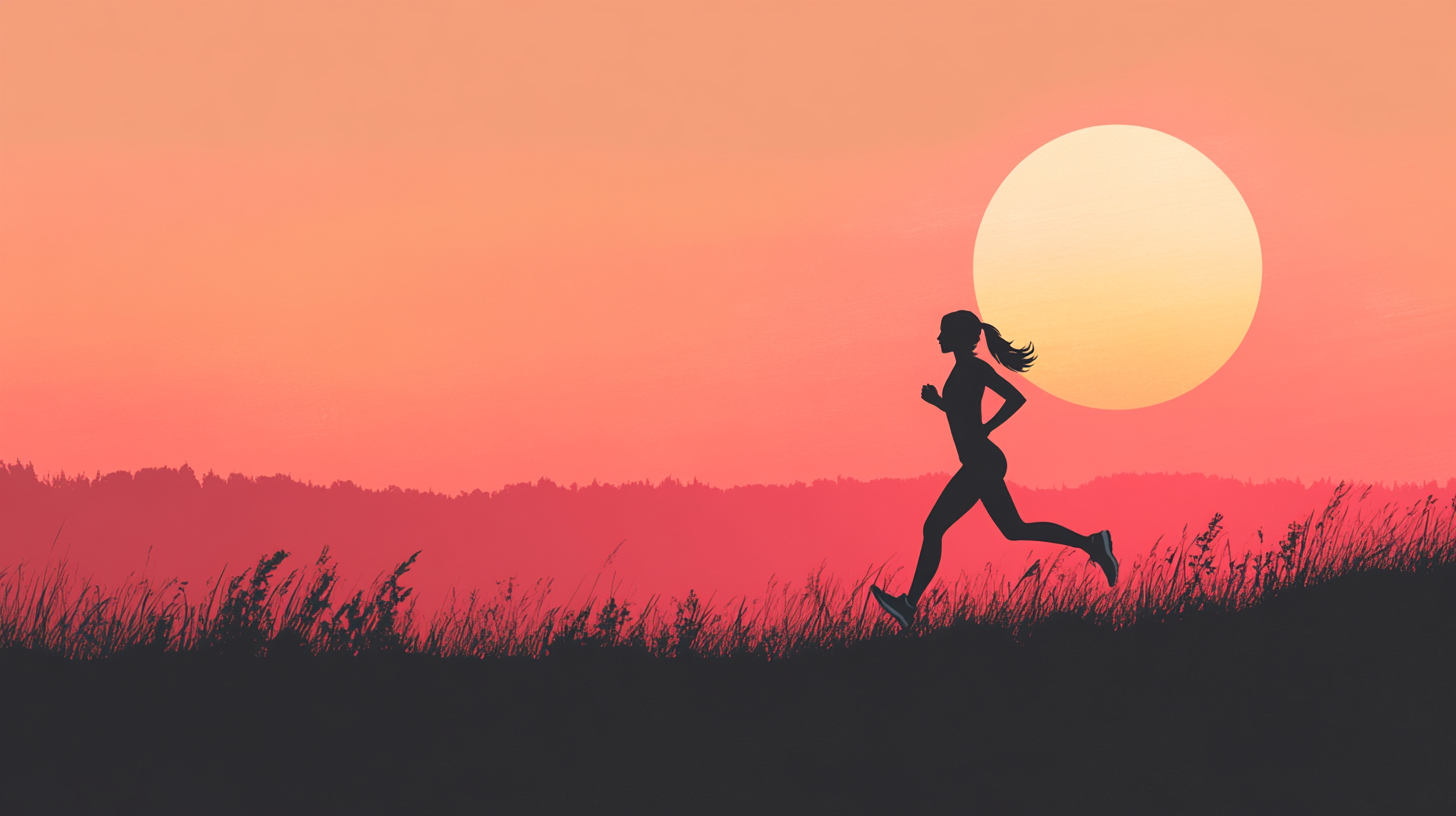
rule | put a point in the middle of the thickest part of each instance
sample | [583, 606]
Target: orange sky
[453, 245]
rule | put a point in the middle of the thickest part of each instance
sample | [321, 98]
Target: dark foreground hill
[1336, 698]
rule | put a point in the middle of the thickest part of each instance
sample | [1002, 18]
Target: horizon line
[51, 478]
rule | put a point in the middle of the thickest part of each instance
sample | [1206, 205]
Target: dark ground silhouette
[1335, 698]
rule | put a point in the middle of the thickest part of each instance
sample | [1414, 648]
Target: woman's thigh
[1001, 509]
[958, 496]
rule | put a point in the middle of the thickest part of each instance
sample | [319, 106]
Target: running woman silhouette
[983, 465]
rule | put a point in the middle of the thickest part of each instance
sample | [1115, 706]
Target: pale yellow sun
[1127, 257]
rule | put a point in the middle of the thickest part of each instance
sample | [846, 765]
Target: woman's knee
[934, 529]
[1013, 529]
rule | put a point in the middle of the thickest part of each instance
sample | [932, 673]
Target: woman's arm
[1012, 399]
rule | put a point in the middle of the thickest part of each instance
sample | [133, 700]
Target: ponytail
[1016, 359]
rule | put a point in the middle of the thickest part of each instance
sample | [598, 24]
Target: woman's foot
[898, 606]
[1101, 552]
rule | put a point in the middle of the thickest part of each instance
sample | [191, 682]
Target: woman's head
[961, 331]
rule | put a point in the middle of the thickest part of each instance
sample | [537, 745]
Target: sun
[1127, 257]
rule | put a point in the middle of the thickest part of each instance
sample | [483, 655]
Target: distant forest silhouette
[639, 537]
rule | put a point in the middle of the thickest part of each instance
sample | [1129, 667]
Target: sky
[459, 246]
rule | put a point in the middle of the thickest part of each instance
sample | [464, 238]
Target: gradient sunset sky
[460, 245]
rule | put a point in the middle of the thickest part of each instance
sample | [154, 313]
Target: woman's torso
[962, 395]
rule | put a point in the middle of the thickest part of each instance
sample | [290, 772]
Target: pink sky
[453, 247]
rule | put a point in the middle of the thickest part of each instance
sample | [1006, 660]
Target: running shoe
[1102, 556]
[898, 606]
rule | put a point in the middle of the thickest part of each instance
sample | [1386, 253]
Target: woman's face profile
[951, 337]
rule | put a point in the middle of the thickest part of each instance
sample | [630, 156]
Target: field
[1313, 676]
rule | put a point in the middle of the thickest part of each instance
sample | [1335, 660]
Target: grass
[264, 611]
